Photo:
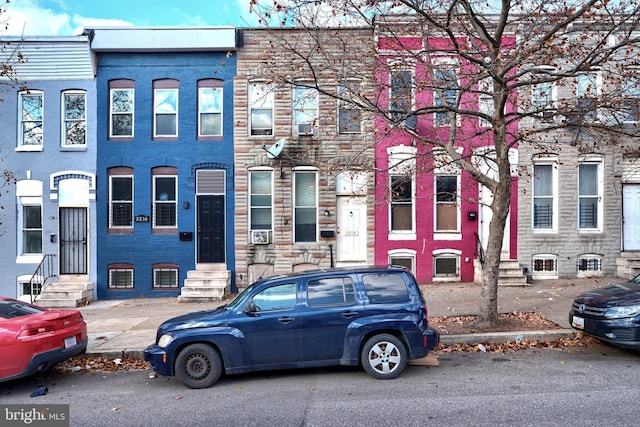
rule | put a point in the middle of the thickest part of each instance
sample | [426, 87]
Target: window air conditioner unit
[260, 237]
[304, 128]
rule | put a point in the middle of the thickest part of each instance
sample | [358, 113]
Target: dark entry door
[73, 241]
[211, 244]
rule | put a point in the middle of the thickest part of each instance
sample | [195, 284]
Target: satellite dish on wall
[275, 150]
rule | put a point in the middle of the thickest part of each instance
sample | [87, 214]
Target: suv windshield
[236, 301]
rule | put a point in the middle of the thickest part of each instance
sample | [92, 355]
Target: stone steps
[64, 294]
[510, 274]
[208, 282]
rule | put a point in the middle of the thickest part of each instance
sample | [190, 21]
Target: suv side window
[330, 291]
[385, 287]
[279, 297]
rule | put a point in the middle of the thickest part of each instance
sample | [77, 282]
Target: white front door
[485, 216]
[352, 230]
[631, 217]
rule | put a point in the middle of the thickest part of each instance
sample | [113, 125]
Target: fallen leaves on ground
[507, 322]
[84, 364]
[567, 344]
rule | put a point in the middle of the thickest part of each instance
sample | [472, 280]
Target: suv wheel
[198, 366]
[384, 357]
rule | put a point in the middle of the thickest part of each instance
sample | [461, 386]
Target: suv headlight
[165, 340]
[623, 311]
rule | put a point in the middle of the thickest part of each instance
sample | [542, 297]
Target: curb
[502, 337]
[487, 337]
[114, 354]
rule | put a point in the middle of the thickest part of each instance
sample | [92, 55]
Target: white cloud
[30, 19]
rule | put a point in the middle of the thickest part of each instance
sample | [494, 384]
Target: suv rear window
[330, 291]
[385, 287]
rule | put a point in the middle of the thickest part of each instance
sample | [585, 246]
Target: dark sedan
[611, 313]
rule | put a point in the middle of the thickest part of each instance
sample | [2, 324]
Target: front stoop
[628, 265]
[510, 273]
[208, 282]
[66, 293]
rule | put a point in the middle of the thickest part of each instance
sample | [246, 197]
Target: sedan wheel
[198, 366]
[384, 357]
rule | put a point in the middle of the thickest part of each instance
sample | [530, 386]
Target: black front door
[73, 241]
[210, 239]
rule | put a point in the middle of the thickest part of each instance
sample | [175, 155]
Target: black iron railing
[46, 270]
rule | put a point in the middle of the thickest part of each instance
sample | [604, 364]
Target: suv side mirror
[250, 309]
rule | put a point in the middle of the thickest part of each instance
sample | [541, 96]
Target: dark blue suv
[373, 316]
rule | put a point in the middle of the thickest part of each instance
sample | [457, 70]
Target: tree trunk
[488, 315]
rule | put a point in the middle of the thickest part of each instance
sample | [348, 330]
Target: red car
[34, 339]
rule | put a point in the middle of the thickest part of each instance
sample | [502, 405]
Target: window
[165, 276]
[31, 120]
[29, 220]
[403, 258]
[261, 108]
[261, 199]
[445, 87]
[385, 287]
[401, 192]
[279, 297]
[544, 200]
[349, 115]
[485, 100]
[305, 109]
[446, 266]
[34, 288]
[401, 187]
[588, 90]
[74, 118]
[209, 108]
[121, 198]
[165, 108]
[543, 93]
[330, 291]
[401, 93]
[446, 202]
[544, 266]
[31, 229]
[305, 206]
[165, 201]
[631, 93]
[121, 109]
[589, 263]
[589, 196]
[120, 276]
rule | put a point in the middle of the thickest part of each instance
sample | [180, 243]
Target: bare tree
[9, 57]
[502, 74]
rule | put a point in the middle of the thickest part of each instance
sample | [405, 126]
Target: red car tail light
[37, 330]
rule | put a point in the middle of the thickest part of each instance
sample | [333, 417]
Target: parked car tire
[198, 366]
[384, 357]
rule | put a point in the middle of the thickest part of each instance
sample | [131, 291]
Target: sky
[69, 17]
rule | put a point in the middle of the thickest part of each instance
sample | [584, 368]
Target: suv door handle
[286, 319]
[349, 314]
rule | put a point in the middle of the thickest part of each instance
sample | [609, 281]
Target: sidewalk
[120, 328]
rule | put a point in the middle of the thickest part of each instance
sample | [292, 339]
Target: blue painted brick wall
[142, 248]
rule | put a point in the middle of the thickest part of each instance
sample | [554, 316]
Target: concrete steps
[208, 282]
[511, 273]
[628, 265]
[66, 293]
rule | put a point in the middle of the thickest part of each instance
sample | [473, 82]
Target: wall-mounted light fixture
[327, 213]
[185, 205]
